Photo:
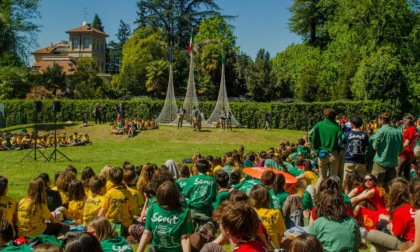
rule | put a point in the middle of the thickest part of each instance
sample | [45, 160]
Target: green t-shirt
[388, 140]
[307, 200]
[167, 227]
[305, 152]
[337, 236]
[326, 135]
[22, 248]
[220, 197]
[116, 244]
[182, 182]
[247, 185]
[418, 141]
[347, 200]
[279, 199]
[200, 192]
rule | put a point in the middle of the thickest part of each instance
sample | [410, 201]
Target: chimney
[89, 26]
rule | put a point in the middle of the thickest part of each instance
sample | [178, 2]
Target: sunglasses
[369, 179]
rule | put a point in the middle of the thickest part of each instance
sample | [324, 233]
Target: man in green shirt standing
[326, 137]
[388, 145]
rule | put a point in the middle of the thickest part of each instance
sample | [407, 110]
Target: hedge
[296, 116]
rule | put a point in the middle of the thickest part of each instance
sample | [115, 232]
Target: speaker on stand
[34, 136]
[55, 109]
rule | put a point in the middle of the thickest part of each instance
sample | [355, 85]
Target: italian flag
[190, 48]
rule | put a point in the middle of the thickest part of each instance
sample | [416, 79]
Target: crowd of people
[131, 127]
[24, 140]
[352, 187]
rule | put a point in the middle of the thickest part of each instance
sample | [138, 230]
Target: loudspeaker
[56, 106]
[37, 106]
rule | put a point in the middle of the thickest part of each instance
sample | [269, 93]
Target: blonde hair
[105, 172]
[103, 228]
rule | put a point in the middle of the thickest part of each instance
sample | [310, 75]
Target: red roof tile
[48, 49]
[42, 66]
[84, 28]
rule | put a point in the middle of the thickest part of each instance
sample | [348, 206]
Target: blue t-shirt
[356, 146]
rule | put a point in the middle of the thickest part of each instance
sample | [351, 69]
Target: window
[75, 44]
[86, 43]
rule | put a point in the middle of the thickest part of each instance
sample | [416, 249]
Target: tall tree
[86, 83]
[17, 29]
[309, 18]
[157, 78]
[175, 17]
[97, 23]
[259, 86]
[53, 78]
[114, 49]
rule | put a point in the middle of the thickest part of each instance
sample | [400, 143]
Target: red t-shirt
[411, 134]
[250, 246]
[403, 222]
[378, 198]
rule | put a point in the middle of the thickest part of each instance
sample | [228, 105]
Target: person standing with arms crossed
[181, 113]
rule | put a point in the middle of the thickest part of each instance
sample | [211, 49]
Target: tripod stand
[34, 137]
[54, 153]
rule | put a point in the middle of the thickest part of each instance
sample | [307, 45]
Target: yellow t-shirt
[93, 205]
[136, 198]
[32, 223]
[119, 206]
[8, 209]
[217, 168]
[109, 185]
[274, 223]
[76, 209]
[311, 178]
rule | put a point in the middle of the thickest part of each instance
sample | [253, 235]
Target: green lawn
[155, 146]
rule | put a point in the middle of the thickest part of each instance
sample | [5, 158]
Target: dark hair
[184, 171]
[87, 173]
[45, 177]
[202, 165]
[385, 117]
[299, 161]
[330, 184]
[329, 113]
[222, 178]
[251, 156]
[279, 183]
[357, 121]
[399, 194]
[331, 205]
[235, 177]
[6, 230]
[375, 180]
[259, 197]
[237, 218]
[217, 161]
[238, 195]
[415, 193]
[96, 184]
[71, 168]
[4, 182]
[116, 175]
[162, 176]
[168, 196]
[76, 191]
[352, 180]
[268, 178]
[47, 247]
[82, 242]
[306, 242]
[129, 175]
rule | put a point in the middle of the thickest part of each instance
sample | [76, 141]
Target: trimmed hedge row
[296, 116]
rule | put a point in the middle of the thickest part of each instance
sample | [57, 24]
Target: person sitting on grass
[62, 186]
[33, 213]
[401, 219]
[101, 228]
[199, 193]
[336, 231]
[77, 199]
[260, 200]
[238, 224]
[8, 206]
[168, 223]
[223, 188]
[95, 200]
[118, 202]
[184, 173]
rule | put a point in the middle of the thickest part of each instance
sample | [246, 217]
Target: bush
[297, 116]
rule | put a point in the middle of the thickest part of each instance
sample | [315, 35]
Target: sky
[259, 24]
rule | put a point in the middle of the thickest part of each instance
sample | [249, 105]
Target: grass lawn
[154, 146]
